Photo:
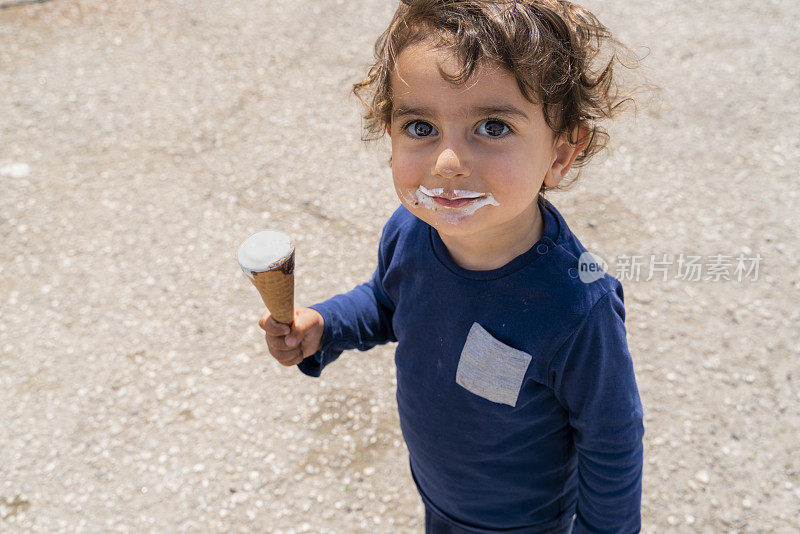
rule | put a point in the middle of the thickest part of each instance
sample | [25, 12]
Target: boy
[515, 388]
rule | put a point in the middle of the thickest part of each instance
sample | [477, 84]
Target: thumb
[298, 331]
[304, 321]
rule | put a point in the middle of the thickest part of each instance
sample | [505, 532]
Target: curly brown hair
[562, 56]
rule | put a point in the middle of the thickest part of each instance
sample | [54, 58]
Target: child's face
[469, 159]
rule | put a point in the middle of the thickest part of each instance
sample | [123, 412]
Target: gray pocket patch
[491, 369]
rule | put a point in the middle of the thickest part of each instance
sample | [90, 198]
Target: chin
[450, 224]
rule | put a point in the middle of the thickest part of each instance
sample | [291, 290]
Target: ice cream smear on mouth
[457, 194]
[460, 203]
[263, 251]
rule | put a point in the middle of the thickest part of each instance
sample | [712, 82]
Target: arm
[358, 319]
[593, 378]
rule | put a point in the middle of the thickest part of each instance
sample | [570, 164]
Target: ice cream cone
[277, 291]
[267, 258]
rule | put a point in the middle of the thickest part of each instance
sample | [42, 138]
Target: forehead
[419, 74]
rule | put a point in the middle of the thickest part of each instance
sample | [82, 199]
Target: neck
[494, 249]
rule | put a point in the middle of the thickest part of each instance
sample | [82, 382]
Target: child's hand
[290, 347]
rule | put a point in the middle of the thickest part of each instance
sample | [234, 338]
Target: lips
[453, 202]
[454, 206]
[451, 199]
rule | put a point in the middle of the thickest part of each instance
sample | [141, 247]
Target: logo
[591, 267]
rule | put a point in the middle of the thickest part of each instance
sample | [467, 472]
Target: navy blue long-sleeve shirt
[515, 387]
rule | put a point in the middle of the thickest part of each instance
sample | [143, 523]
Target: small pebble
[15, 170]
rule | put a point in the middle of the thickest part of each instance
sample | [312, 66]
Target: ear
[564, 156]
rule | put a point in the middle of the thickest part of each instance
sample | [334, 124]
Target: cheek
[403, 182]
[405, 185]
[519, 173]
[404, 172]
[408, 197]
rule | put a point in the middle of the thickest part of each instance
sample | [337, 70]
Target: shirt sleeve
[358, 319]
[593, 378]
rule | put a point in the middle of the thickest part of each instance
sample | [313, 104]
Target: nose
[450, 165]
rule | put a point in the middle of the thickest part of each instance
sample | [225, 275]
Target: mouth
[451, 199]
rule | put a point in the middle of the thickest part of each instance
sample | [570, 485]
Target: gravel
[135, 390]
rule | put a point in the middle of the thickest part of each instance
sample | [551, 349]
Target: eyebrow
[406, 111]
[503, 110]
[507, 110]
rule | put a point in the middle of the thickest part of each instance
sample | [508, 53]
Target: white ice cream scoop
[267, 259]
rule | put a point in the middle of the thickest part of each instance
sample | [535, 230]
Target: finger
[277, 343]
[293, 361]
[273, 327]
[302, 323]
[278, 348]
[263, 320]
[288, 358]
[295, 335]
[292, 340]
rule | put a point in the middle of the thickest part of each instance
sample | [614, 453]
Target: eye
[493, 128]
[420, 129]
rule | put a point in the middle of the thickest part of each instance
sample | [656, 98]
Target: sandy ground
[140, 142]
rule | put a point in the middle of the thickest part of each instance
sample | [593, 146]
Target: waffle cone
[277, 291]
